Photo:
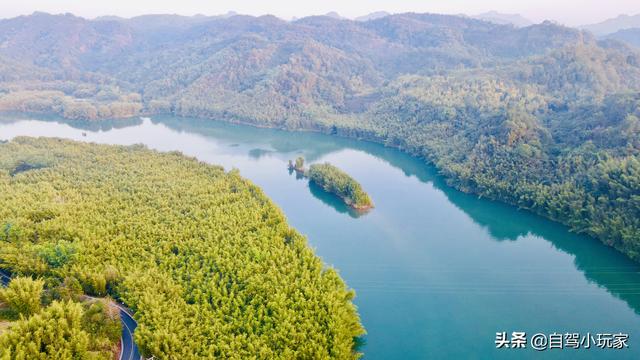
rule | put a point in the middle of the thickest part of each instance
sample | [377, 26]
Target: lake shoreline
[331, 131]
[426, 246]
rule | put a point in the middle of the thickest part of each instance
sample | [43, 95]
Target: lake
[437, 272]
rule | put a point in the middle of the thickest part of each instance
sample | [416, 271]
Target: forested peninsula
[205, 260]
[543, 117]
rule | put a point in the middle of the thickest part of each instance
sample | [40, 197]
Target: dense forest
[336, 181]
[544, 117]
[206, 261]
[56, 322]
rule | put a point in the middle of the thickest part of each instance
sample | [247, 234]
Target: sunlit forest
[57, 322]
[206, 261]
[544, 117]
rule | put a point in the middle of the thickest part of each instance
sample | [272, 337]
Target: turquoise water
[437, 272]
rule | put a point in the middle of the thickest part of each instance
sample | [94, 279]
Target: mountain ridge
[630, 36]
[503, 19]
[543, 117]
[610, 26]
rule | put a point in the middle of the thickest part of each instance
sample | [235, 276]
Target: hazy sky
[569, 12]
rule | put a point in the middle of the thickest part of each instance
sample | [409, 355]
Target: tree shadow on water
[600, 264]
[334, 201]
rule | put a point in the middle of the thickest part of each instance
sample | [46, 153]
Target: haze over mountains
[504, 19]
[300, 69]
[630, 36]
[623, 28]
[542, 116]
[611, 26]
[545, 117]
[318, 62]
[373, 16]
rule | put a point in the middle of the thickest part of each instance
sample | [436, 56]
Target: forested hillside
[54, 322]
[251, 69]
[543, 117]
[207, 262]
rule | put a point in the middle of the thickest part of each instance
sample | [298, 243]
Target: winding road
[129, 348]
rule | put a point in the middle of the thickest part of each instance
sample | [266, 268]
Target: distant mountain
[630, 36]
[261, 69]
[373, 16]
[504, 19]
[109, 18]
[160, 21]
[228, 14]
[610, 26]
[135, 49]
[60, 41]
[334, 15]
[544, 116]
[153, 22]
[250, 67]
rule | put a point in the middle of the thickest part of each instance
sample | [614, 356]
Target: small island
[333, 180]
[298, 166]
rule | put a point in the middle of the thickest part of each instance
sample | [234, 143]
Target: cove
[437, 272]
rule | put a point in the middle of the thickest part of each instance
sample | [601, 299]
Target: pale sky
[569, 12]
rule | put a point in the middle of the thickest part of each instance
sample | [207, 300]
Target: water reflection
[107, 125]
[89, 125]
[258, 153]
[277, 141]
[334, 201]
[505, 225]
[609, 269]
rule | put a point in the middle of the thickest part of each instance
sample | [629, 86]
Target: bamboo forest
[192, 249]
[463, 180]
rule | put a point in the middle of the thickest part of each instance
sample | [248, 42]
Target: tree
[102, 319]
[54, 333]
[70, 289]
[23, 295]
[59, 254]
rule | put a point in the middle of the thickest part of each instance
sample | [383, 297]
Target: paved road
[4, 278]
[129, 347]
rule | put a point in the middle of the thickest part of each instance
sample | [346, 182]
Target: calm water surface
[437, 272]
